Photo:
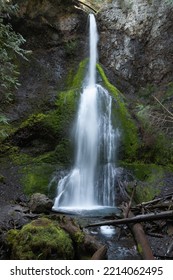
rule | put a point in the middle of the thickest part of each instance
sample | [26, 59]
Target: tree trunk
[143, 246]
[136, 219]
[100, 253]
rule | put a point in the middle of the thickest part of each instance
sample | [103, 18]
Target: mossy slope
[128, 129]
[150, 179]
[43, 141]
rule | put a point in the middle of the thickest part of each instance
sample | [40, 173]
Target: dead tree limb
[169, 195]
[77, 2]
[127, 210]
[170, 113]
[136, 219]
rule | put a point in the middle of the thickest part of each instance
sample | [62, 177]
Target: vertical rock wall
[136, 42]
[55, 32]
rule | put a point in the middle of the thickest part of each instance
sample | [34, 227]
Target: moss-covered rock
[43, 141]
[36, 178]
[126, 125]
[40, 239]
[149, 178]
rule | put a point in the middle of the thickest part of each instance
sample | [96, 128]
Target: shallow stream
[119, 240]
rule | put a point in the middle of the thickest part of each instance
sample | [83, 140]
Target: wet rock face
[55, 32]
[136, 42]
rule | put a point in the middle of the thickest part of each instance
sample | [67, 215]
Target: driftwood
[136, 219]
[154, 201]
[100, 253]
[143, 245]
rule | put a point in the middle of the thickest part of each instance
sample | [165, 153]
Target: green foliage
[42, 239]
[3, 126]
[10, 49]
[71, 47]
[33, 120]
[147, 91]
[156, 145]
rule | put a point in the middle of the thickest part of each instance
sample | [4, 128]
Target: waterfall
[91, 181]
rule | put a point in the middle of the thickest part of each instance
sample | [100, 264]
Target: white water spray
[91, 182]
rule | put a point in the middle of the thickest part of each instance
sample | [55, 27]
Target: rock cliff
[55, 32]
[136, 42]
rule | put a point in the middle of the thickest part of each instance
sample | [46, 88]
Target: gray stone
[40, 203]
[136, 42]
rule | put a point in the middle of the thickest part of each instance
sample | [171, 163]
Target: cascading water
[91, 181]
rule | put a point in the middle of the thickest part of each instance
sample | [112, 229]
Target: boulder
[40, 203]
[40, 239]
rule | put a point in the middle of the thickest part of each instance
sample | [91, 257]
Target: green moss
[146, 193]
[163, 149]
[36, 178]
[40, 239]
[139, 247]
[63, 152]
[79, 237]
[52, 128]
[150, 179]
[5, 129]
[19, 158]
[7, 149]
[36, 172]
[144, 172]
[33, 119]
[2, 179]
[79, 77]
[128, 129]
[59, 121]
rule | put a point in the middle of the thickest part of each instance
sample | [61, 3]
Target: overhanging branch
[76, 2]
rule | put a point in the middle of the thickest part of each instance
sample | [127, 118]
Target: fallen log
[143, 245]
[86, 242]
[167, 205]
[136, 219]
[100, 253]
[156, 200]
